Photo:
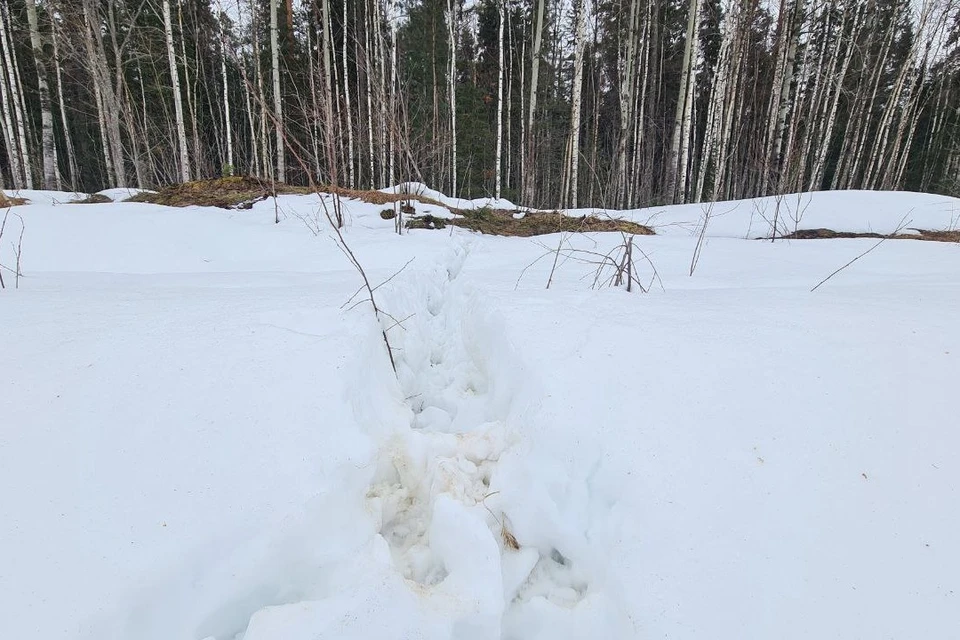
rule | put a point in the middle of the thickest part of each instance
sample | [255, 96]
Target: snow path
[441, 497]
[450, 472]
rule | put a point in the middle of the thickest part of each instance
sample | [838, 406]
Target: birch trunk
[177, 98]
[680, 121]
[327, 44]
[348, 113]
[452, 89]
[9, 131]
[781, 89]
[393, 111]
[817, 176]
[528, 178]
[627, 64]
[688, 113]
[277, 98]
[43, 89]
[227, 119]
[191, 101]
[499, 152]
[369, 72]
[68, 139]
[13, 78]
[576, 106]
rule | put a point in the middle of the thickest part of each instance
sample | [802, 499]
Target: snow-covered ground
[199, 438]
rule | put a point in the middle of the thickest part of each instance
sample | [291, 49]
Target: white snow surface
[119, 194]
[202, 437]
[880, 212]
[420, 189]
[35, 196]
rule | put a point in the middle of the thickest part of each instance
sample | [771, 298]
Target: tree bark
[43, 89]
[13, 78]
[177, 98]
[277, 97]
[681, 120]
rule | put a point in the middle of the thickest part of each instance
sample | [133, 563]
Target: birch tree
[177, 97]
[277, 97]
[528, 178]
[576, 106]
[14, 95]
[43, 89]
[499, 152]
[681, 122]
[452, 29]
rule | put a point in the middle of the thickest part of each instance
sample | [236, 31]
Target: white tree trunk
[277, 98]
[227, 120]
[348, 114]
[43, 89]
[528, 178]
[13, 78]
[452, 89]
[627, 66]
[394, 111]
[576, 102]
[9, 132]
[688, 106]
[680, 122]
[499, 152]
[177, 98]
[191, 102]
[369, 65]
[327, 44]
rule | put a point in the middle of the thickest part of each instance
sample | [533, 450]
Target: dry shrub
[237, 192]
[93, 198]
[828, 234]
[537, 223]
[8, 201]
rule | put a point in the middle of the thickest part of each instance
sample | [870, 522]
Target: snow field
[199, 443]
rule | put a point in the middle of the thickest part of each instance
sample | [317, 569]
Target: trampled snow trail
[440, 497]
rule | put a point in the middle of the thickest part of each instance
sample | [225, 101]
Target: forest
[546, 103]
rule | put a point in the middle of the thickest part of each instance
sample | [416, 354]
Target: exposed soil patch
[502, 223]
[921, 234]
[938, 236]
[8, 201]
[227, 193]
[93, 198]
[243, 192]
[427, 222]
[379, 197]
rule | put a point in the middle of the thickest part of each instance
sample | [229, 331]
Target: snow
[200, 439]
[420, 189]
[34, 196]
[881, 212]
[120, 194]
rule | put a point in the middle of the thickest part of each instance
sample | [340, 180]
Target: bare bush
[17, 250]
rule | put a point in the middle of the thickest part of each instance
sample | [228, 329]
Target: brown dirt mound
[6, 201]
[243, 192]
[228, 193]
[922, 234]
[938, 236]
[502, 223]
[427, 222]
[378, 197]
[93, 198]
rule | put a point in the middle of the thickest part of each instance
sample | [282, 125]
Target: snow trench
[469, 533]
[450, 483]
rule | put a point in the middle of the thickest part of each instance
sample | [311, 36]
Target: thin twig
[880, 242]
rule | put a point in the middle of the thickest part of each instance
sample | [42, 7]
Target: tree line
[616, 103]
